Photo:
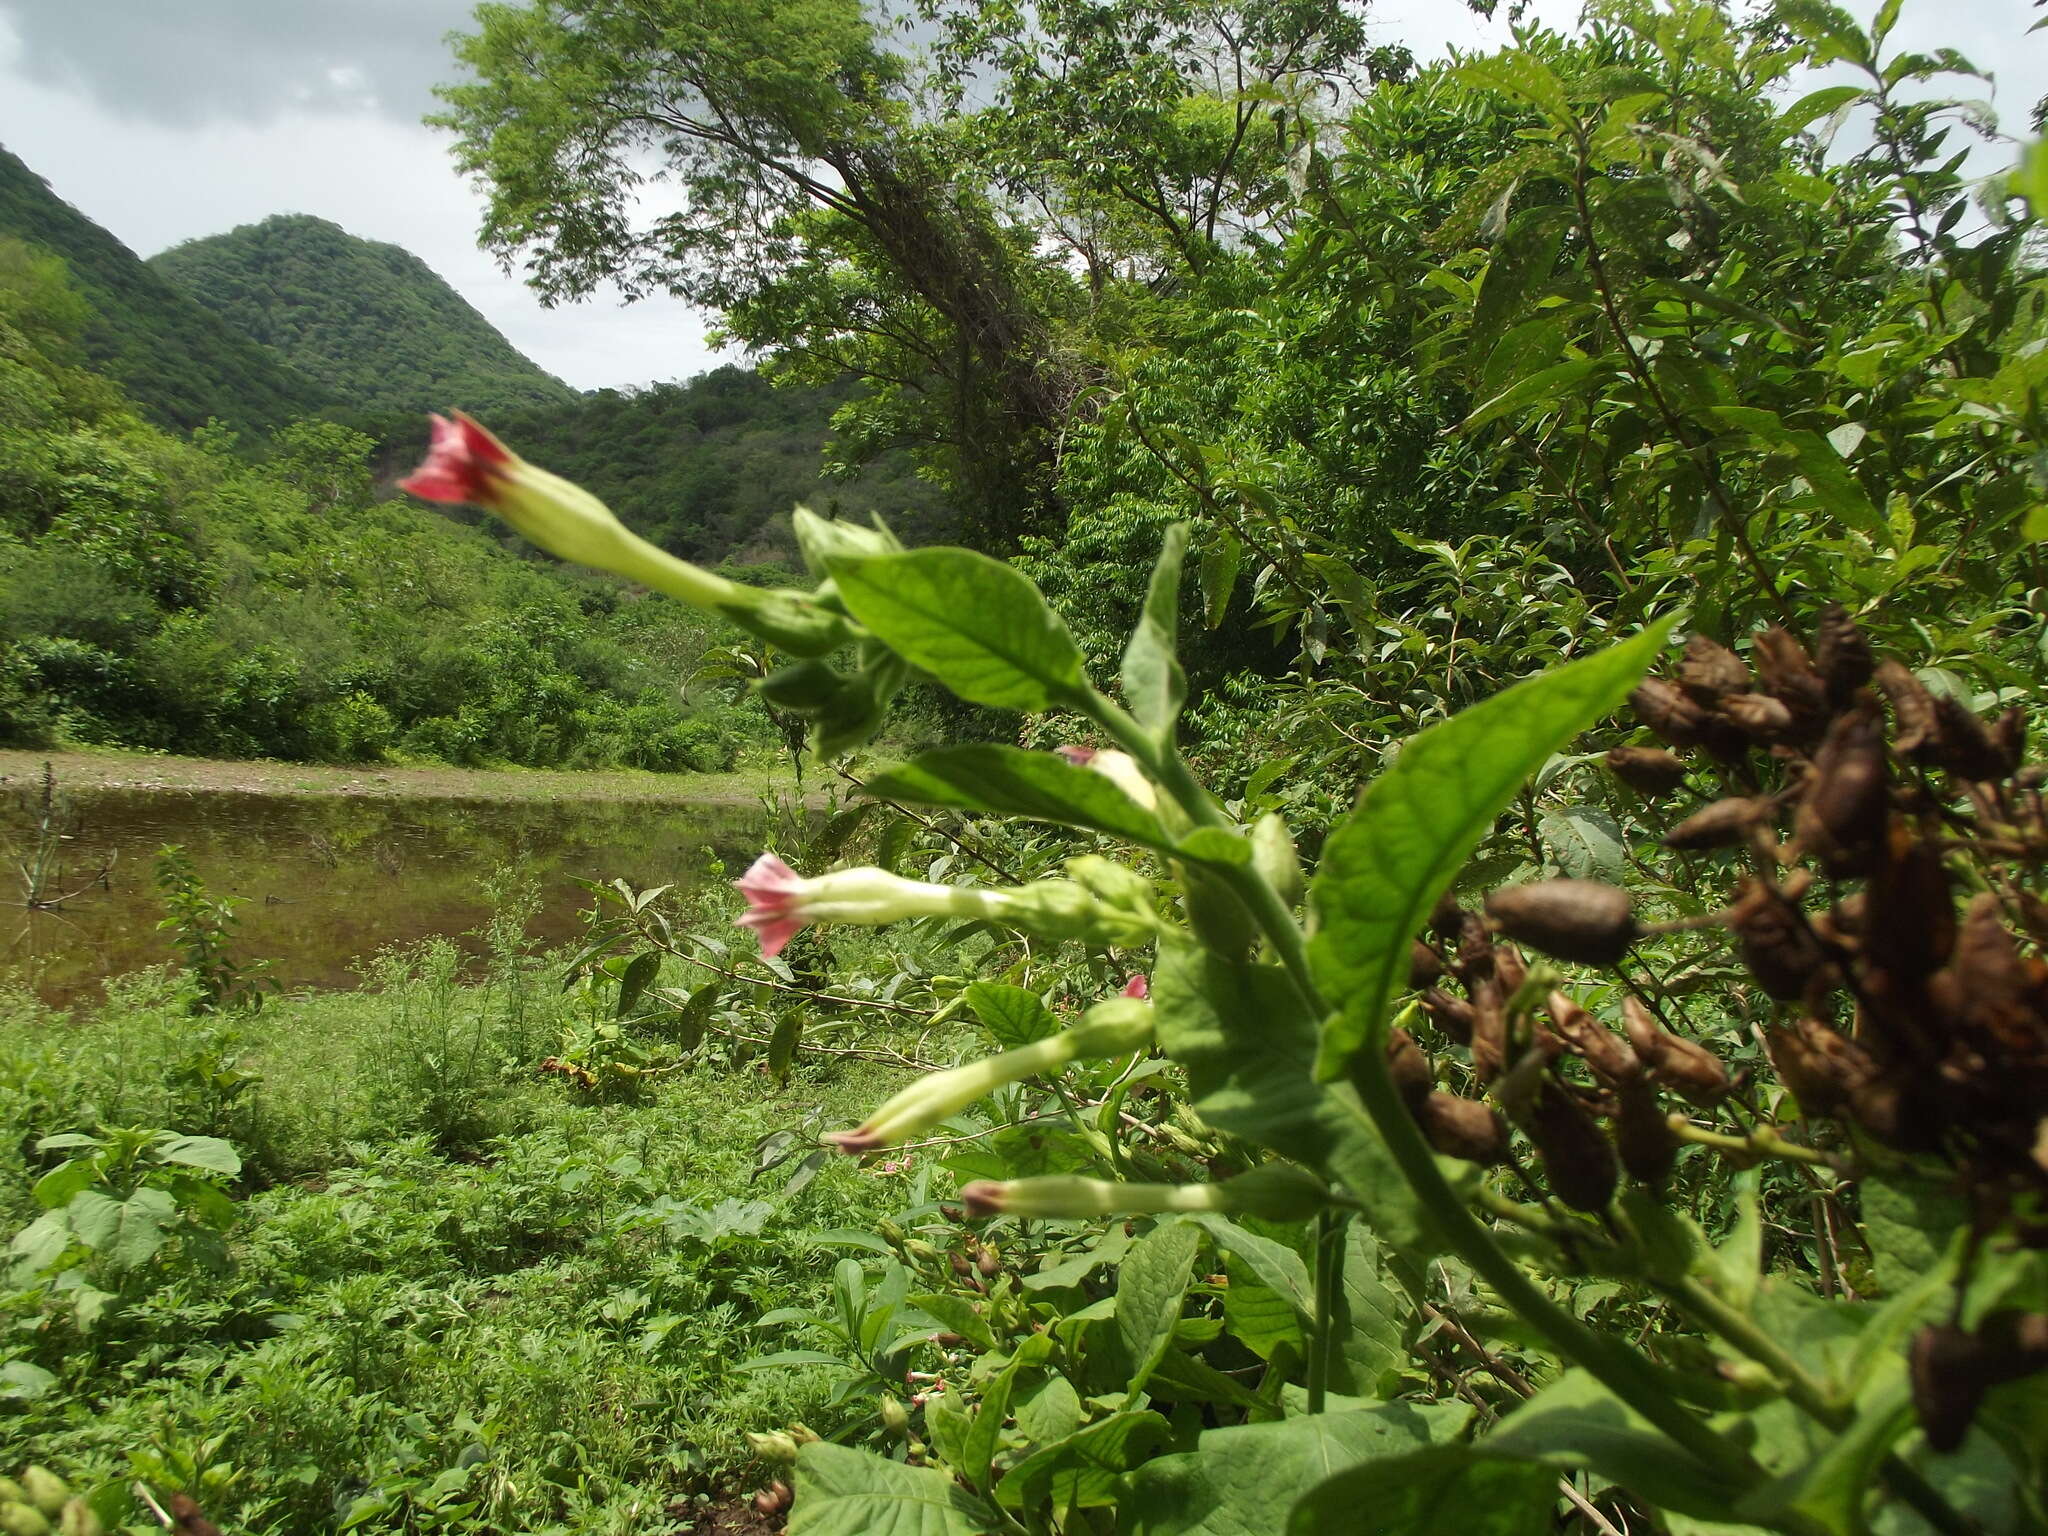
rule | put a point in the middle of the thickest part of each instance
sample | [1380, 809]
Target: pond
[323, 881]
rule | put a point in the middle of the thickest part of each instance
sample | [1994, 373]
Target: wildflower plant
[1512, 1121]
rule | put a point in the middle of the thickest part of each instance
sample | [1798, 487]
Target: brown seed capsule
[1758, 716]
[1610, 1057]
[1578, 1159]
[2009, 735]
[1842, 815]
[1967, 748]
[1642, 1135]
[1452, 1015]
[1915, 726]
[1818, 1065]
[1788, 675]
[1907, 913]
[1509, 969]
[986, 1262]
[1585, 921]
[1720, 825]
[1710, 670]
[1425, 968]
[1683, 1065]
[1682, 723]
[1841, 653]
[1463, 1128]
[1649, 771]
[1489, 1033]
[1774, 943]
[1951, 1369]
[1408, 1067]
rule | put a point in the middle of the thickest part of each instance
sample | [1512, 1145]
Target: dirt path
[133, 770]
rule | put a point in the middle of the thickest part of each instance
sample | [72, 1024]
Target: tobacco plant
[1312, 1220]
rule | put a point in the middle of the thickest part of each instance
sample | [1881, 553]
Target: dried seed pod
[1642, 1134]
[1463, 1128]
[1682, 723]
[1952, 1369]
[2009, 735]
[1684, 1065]
[1610, 1057]
[1759, 716]
[1489, 1033]
[1649, 771]
[1789, 676]
[1841, 653]
[1425, 967]
[1452, 1015]
[1509, 969]
[1967, 747]
[1577, 1158]
[1447, 918]
[1842, 815]
[1474, 960]
[1898, 1111]
[1820, 1067]
[1710, 670]
[1720, 825]
[1586, 921]
[1774, 942]
[1916, 727]
[1907, 913]
[1408, 1067]
[987, 1262]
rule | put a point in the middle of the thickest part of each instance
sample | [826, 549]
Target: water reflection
[324, 880]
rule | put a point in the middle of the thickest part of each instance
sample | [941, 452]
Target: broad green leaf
[1521, 74]
[1149, 1290]
[208, 1152]
[24, 1380]
[1818, 463]
[1279, 1268]
[1218, 575]
[975, 624]
[1831, 1490]
[1108, 1249]
[1014, 1016]
[1586, 842]
[639, 973]
[1385, 865]
[1007, 780]
[1258, 1316]
[844, 1492]
[782, 1044]
[1155, 686]
[1369, 1320]
[985, 1431]
[1576, 1422]
[1818, 104]
[1051, 1413]
[1082, 1470]
[1249, 1047]
[1451, 1490]
[1521, 259]
[1215, 845]
[42, 1242]
[1243, 1480]
[55, 1189]
[126, 1233]
[957, 1314]
[1909, 1222]
[1537, 388]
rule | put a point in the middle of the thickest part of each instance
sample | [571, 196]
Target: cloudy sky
[170, 119]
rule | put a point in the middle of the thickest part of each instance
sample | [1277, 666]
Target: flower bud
[895, 1417]
[1114, 1027]
[1585, 921]
[1120, 768]
[80, 1520]
[775, 1447]
[45, 1489]
[1274, 1191]
[24, 1520]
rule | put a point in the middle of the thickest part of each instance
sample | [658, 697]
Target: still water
[323, 881]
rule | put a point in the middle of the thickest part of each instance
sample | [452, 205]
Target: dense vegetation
[333, 305]
[195, 596]
[1625, 1114]
[180, 364]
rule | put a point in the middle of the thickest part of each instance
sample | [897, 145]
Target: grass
[460, 1296]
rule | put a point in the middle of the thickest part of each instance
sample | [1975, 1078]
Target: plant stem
[1329, 1276]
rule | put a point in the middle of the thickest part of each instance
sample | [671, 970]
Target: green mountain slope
[175, 358]
[369, 321]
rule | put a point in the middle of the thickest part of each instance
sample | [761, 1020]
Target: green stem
[1329, 1276]
[1811, 1398]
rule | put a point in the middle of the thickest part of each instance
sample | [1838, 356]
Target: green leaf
[1817, 104]
[973, 623]
[1082, 1470]
[985, 1432]
[1149, 1290]
[208, 1152]
[55, 1189]
[24, 1380]
[639, 972]
[1278, 1267]
[1586, 842]
[782, 1044]
[1215, 845]
[1249, 1047]
[1242, 1480]
[1013, 1016]
[1218, 575]
[1521, 74]
[1259, 1317]
[126, 1233]
[1818, 463]
[1451, 1490]
[1385, 865]
[1155, 686]
[1576, 1422]
[1909, 1222]
[1369, 1321]
[957, 1314]
[1051, 1413]
[1107, 1249]
[1536, 388]
[1009, 781]
[844, 1492]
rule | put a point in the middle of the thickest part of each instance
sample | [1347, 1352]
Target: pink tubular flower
[464, 463]
[771, 888]
[1138, 987]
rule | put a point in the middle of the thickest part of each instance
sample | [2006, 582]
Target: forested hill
[710, 468]
[370, 321]
[175, 358]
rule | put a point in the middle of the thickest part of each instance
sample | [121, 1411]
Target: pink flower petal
[461, 464]
[1079, 757]
[1138, 987]
[771, 888]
